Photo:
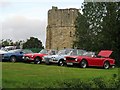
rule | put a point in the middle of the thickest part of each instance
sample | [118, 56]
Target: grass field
[23, 75]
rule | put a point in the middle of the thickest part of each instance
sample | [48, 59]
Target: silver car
[59, 57]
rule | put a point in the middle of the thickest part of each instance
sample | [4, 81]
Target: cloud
[4, 4]
[21, 28]
[42, 0]
[21, 19]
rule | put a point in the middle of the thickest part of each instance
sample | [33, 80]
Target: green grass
[23, 75]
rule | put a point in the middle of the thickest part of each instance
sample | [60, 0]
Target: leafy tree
[111, 29]
[88, 25]
[7, 42]
[33, 43]
[99, 27]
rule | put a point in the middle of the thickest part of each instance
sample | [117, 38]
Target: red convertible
[90, 59]
[37, 57]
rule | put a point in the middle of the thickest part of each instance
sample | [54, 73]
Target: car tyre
[13, 59]
[61, 63]
[37, 61]
[106, 65]
[83, 64]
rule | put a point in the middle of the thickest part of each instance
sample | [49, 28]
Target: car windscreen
[76, 52]
[51, 52]
[43, 51]
[63, 52]
[25, 51]
[90, 54]
[15, 51]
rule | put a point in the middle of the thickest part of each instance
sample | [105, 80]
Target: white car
[2, 51]
[59, 57]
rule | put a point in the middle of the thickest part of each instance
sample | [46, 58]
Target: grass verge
[23, 75]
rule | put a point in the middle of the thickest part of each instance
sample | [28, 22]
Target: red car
[90, 59]
[37, 57]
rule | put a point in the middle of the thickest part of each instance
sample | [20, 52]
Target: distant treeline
[32, 42]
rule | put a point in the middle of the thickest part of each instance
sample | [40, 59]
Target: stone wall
[61, 28]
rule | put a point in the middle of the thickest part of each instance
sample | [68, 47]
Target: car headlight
[76, 59]
[23, 57]
[32, 56]
[64, 58]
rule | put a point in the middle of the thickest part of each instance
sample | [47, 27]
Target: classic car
[8, 48]
[90, 59]
[1, 53]
[59, 57]
[14, 55]
[38, 57]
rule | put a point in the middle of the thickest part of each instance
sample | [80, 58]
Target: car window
[76, 52]
[25, 51]
[43, 51]
[90, 54]
[15, 51]
[61, 52]
[51, 52]
[64, 52]
[80, 52]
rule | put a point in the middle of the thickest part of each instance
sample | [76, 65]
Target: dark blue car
[15, 55]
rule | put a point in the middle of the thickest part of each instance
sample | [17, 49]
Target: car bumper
[53, 61]
[49, 60]
[28, 59]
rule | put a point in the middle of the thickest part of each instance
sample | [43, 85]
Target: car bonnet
[105, 53]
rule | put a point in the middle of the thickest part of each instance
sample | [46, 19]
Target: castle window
[70, 34]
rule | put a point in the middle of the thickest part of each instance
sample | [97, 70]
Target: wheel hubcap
[13, 59]
[106, 65]
[61, 63]
[83, 64]
[37, 61]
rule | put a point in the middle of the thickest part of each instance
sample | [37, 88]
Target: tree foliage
[33, 43]
[6, 42]
[99, 27]
[9, 42]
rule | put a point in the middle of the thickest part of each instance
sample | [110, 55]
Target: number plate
[69, 63]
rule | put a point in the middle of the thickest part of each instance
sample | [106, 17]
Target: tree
[7, 42]
[111, 29]
[99, 27]
[88, 25]
[33, 43]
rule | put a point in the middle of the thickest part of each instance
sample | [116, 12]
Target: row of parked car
[63, 57]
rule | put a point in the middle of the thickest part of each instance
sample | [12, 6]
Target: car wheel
[13, 59]
[61, 63]
[83, 64]
[37, 61]
[106, 65]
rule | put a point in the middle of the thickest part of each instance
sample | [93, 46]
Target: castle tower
[61, 28]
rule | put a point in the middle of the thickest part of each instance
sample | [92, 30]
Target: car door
[94, 61]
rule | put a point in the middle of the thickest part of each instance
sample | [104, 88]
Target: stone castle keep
[61, 28]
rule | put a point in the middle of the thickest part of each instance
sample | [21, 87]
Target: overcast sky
[21, 19]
